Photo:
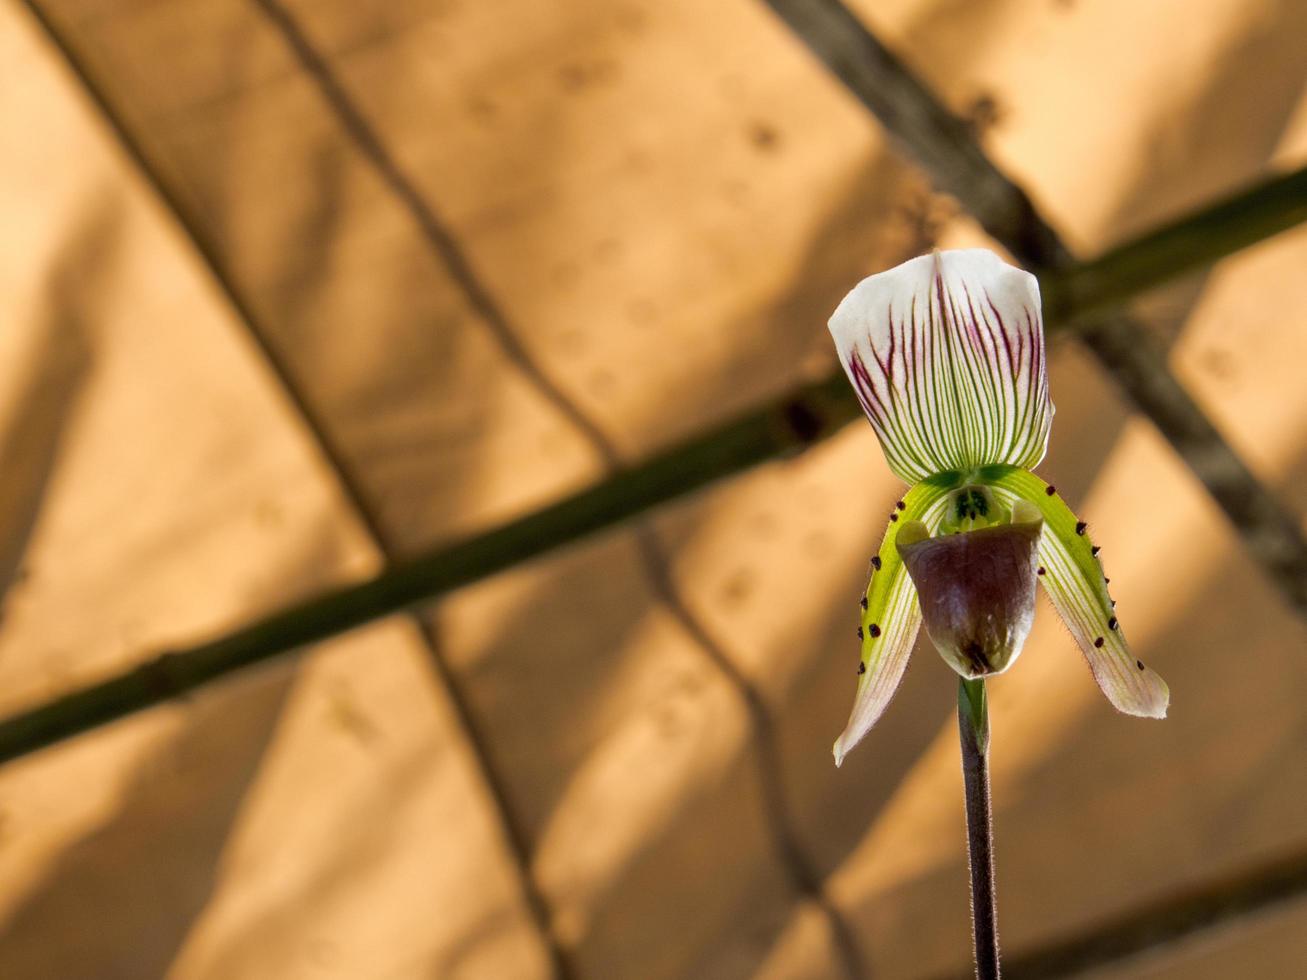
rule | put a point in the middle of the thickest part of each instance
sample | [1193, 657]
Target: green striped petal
[891, 615]
[946, 353]
[1073, 577]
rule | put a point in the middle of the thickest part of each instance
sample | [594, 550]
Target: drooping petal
[891, 616]
[1073, 577]
[946, 353]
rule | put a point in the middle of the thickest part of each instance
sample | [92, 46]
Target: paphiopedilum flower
[946, 354]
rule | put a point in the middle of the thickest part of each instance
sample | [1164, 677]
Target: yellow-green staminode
[946, 354]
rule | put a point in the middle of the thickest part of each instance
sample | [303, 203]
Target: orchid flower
[946, 354]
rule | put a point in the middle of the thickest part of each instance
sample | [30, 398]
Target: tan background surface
[659, 203]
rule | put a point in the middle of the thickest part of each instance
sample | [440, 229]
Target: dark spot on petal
[1139, 664]
[1050, 489]
[1106, 580]
[862, 669]
[873, 630]
[1111, 623]
[1080, 527]
[1095, 550]
[1040, 570]
[875, 563]
[893, 517]
[859, 632]
[863, 603]
[1098, 642]
[1113, 601]
[901, 505]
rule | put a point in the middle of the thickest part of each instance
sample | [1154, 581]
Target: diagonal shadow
[651, 557]
[1060, 421]
[246, 313]
[1207, 144]
[137, 882]
[48, 362]
[364, 835]
[723, 662]
[1088, 428]
[1196, 651]
[166, 838]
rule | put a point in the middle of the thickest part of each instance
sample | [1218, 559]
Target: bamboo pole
[785, 425]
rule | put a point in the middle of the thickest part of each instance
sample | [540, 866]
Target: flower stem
[973, 725]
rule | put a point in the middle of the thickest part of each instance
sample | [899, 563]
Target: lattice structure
[299, 58]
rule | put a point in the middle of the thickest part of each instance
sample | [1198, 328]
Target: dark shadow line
[211, 257]
[1166, 921]
[910, 112]
[805, 880]
[943, 144]
[431, 226]
[515, 836]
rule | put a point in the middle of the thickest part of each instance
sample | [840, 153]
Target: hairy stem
[973, 725]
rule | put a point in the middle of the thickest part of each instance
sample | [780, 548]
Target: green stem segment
[787, 425]
[973, 725]
[1257, 212]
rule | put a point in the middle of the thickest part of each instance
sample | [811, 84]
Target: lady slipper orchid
[946, 354]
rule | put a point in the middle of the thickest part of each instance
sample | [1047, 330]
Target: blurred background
[295, 289]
